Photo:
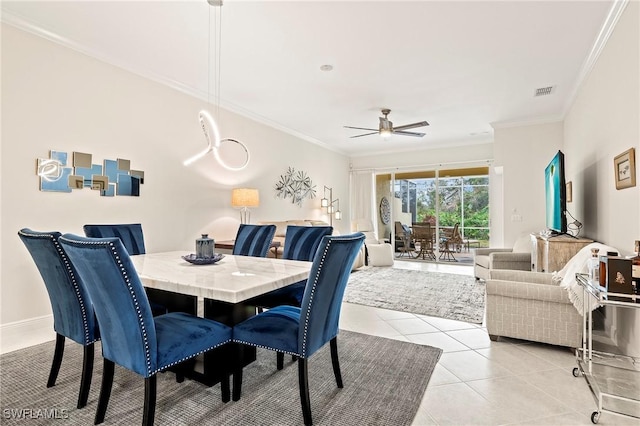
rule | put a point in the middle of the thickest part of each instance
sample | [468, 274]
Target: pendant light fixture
[207, 122]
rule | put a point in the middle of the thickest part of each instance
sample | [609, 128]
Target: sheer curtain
[363, 205]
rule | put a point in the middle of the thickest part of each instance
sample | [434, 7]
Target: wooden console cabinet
[550, 254]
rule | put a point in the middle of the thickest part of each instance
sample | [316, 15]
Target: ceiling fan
[386, 129]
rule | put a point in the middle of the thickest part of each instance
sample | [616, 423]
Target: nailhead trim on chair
[74, 281]
[150, 372]
[143, 327]
[313, 292]
[189, 357]
[268, 347]
[306, 320]
[135, 301]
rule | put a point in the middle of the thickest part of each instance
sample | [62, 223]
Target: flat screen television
[556, 195]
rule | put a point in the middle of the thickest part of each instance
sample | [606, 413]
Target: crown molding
[527, 122]
[440, 144]
[262, 120]
[603, 37]
[608, 26]
[32, 28]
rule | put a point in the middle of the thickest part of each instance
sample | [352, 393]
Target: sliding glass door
[444, 198]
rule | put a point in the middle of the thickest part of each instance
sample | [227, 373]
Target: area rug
[384, 381]
[451, 296]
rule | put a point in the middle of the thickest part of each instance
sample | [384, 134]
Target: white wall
[523, 152]
[603, 122]
[57, 98]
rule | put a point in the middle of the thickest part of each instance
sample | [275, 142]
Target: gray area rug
[451, 296]
[384, 381]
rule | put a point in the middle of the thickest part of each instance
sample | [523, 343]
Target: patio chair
[404, 240]
[424, 237]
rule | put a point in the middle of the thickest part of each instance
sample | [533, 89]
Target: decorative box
[618, 276]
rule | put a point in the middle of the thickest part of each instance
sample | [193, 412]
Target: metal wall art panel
[295, 184]
[113, 177]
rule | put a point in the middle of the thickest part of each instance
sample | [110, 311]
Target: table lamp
[243, 198]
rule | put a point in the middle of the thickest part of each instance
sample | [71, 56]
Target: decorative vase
[204, 247]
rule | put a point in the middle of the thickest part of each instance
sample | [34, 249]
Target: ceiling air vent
[543, 91]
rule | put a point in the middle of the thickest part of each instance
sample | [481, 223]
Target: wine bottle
[594, 266]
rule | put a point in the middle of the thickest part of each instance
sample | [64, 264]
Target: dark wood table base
[221, 362]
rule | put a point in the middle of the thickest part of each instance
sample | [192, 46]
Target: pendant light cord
[207, 123]
[219, 62]
[209, 59]
[217, 57]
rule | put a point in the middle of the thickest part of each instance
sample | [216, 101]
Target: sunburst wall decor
[295, 184]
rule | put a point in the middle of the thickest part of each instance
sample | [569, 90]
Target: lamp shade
[245, 197]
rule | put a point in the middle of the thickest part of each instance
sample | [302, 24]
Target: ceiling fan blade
[360, 128]
[364, 134]
[419, 135]
[411, 126]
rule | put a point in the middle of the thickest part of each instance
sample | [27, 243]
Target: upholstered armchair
[373, 252]
[516, 258]
[531, 306]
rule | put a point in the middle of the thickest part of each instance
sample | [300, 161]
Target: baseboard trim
[22, 334]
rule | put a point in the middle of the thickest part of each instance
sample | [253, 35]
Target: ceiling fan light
[385, 133]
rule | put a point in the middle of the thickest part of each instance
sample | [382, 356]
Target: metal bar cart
[614, 378]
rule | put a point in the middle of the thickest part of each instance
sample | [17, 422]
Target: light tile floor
[480, 382]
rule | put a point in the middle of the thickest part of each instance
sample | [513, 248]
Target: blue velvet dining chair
[131, 336]
[302, 244]
[301, 331]
[253, 240]
[132, 238]
[130, 234]
[73, 315]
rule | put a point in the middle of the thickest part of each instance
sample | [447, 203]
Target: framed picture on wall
[624, 168]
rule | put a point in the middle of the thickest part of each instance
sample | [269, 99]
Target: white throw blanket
[579, 264]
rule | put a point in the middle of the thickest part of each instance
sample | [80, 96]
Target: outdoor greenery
[462, 200]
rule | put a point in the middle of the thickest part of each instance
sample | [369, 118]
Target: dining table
[221, 291]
